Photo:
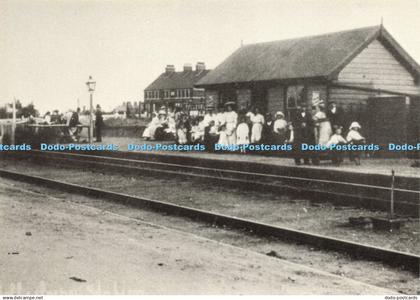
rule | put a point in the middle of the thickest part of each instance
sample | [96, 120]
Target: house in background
[365, 71]
[176, 89]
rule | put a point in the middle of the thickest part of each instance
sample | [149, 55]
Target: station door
[387, 121]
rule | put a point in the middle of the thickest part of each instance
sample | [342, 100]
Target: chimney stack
[170, 69]
[200, 66]
[188, 68]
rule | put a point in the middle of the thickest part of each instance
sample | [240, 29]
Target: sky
[48, 49]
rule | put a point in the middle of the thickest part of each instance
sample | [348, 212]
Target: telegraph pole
[13, 121]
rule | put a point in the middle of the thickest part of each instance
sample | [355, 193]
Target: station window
[295, 96]
[166, 94]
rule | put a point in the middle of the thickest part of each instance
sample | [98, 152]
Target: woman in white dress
[149, 132]
[220, 118]
[323, 130]
[257, 120]
[231, 122]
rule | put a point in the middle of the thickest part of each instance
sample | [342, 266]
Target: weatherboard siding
[275, 97]
[345, 97]
[375, 67]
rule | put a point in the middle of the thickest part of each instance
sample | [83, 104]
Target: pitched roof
[321, 56]
[177, 80]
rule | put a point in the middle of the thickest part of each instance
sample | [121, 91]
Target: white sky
[48, 49]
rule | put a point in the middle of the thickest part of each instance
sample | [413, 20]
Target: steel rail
[275, 176]
[404, 260]
[218, 178]
[364, 197]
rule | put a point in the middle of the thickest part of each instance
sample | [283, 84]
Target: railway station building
[177, 89]
[364, 71]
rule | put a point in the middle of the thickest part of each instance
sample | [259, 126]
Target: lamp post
[91, 88]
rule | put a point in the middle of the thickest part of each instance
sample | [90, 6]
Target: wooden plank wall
[375, 67]
[353, 104]
[275, 98]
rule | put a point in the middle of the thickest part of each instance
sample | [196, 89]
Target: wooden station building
[177, 89]
[364, 71]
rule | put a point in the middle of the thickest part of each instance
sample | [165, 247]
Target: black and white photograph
[209, 148]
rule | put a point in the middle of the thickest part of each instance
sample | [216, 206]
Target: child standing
[355, 138]
[336, 139]
[223, 141]
[242, 133]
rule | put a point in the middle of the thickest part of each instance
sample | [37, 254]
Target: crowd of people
[312, 125]
[71, 121]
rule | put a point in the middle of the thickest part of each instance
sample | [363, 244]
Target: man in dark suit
[99, 123]
[74, 121]
[303, 133]
[334, 115]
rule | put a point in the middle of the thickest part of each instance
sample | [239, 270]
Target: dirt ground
[267, 207]
[54, 246]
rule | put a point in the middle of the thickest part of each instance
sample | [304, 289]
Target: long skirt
[149, 132]
[242, 135]
[280, 137]
[182, 136]
[231, 133]
[223, 140]
[256, 132]
[324, 132]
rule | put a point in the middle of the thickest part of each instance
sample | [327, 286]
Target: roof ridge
[314, 36]
[305, 57]
[179, 79]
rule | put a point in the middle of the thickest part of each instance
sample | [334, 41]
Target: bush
[34, 136]
[117, 122]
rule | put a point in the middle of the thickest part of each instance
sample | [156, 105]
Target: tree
[3, 113]
[28, 110]
[21, 110]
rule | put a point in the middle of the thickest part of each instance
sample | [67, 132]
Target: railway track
[339, 192]
[359, 251]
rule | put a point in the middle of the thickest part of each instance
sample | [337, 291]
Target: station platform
[371, 166]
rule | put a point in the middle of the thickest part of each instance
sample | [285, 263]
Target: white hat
[279, 113]
[355, 125]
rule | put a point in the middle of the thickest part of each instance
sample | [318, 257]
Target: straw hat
[279, 113]
[355, 125]
[230, 103]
